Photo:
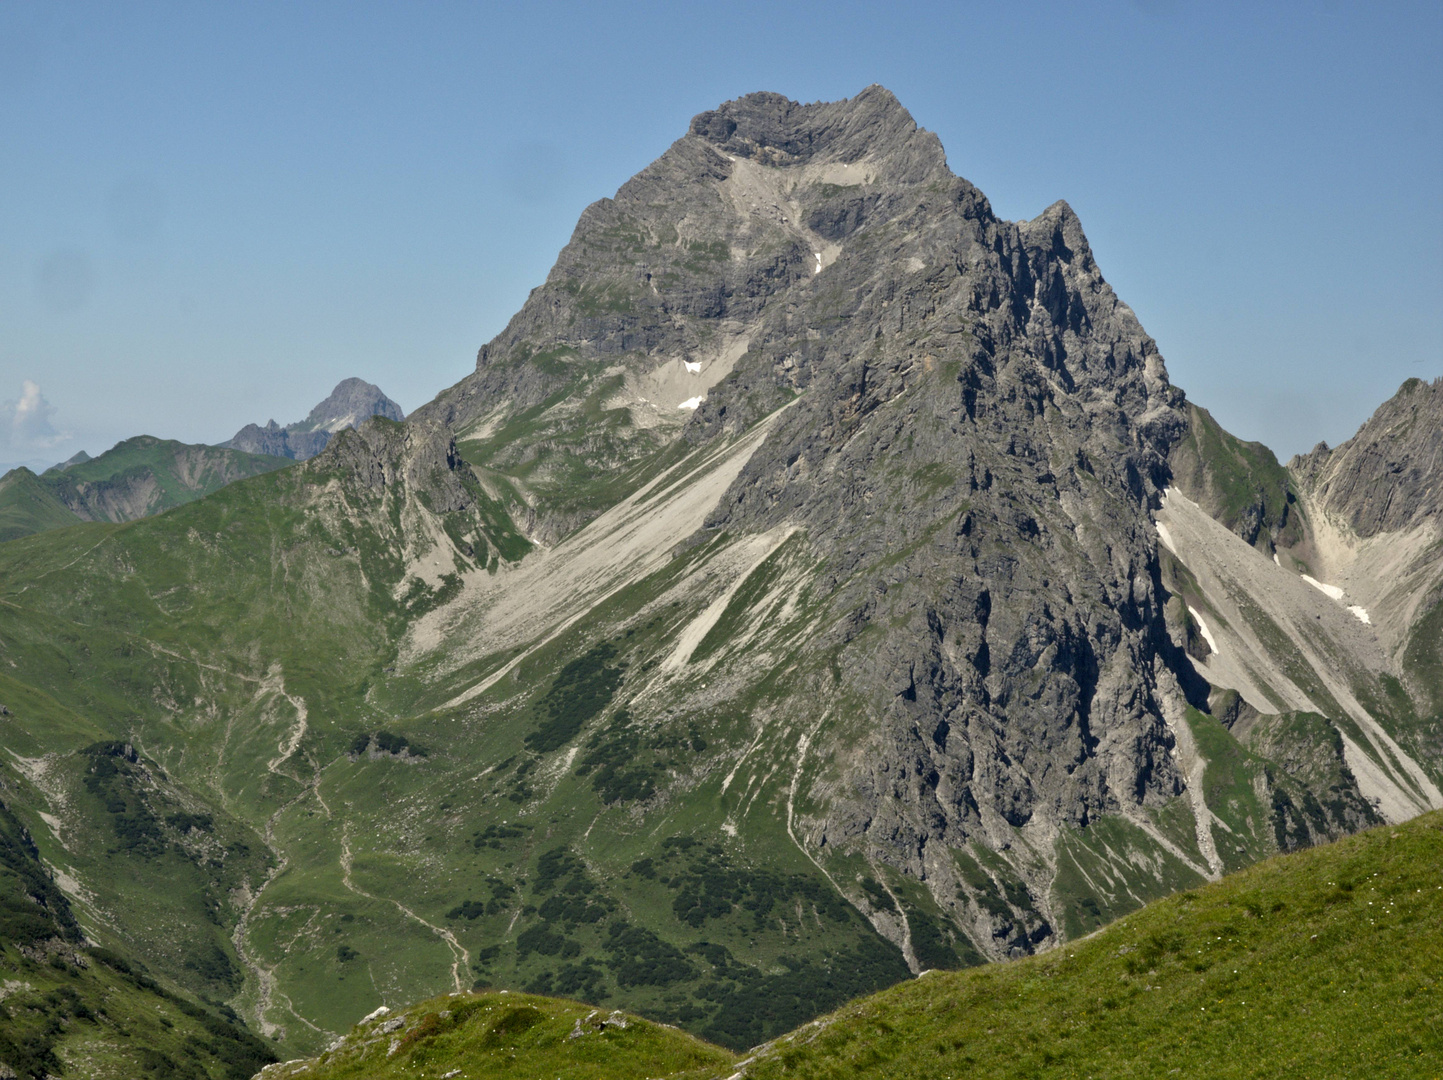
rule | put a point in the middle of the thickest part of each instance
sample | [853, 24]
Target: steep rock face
[1390, 474]
[662, 289]
[350, 404]
[419, 458]
[278, 441]
[980, 430]
[983, 430]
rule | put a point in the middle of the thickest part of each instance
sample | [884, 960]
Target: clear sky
[211, 213]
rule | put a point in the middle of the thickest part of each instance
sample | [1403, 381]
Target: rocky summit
[350, 404]
[818, 581]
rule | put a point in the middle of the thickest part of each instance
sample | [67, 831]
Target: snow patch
[818, 270]
[1361, 614]
[1276, 561]
[1203, 629]
[1165, 537]
[1328, 590]
[692, 402]
[693, 366]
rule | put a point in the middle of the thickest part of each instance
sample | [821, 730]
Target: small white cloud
[25, 424]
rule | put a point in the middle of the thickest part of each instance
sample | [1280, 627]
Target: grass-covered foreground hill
[488, 1036]
[1324, 963]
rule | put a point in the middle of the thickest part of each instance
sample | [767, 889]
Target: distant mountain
[351, 402]
[35, 465]
[79, 458]
[133, 479]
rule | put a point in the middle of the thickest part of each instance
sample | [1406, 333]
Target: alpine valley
[817, 582]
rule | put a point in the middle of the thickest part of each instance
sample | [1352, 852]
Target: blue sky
[212, 213]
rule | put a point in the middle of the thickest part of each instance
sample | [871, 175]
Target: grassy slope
[160, 456]
[71, 1009]
[1322, 963]
[180, 472]
[27, 505]
[111, 1020]
[496, 1035]
[1239, 483]
[572, 454]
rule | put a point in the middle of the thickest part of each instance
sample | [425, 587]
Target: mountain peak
[351, 402]
[772, 129]
[1386, 477]
[349, 405]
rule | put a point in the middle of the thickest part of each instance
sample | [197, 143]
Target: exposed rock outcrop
[1390, 474]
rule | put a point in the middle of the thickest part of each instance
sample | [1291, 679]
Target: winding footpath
[460, 955]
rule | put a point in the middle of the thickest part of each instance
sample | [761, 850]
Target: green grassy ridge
[28, 506]
[149, 452]
[506, 1035]
[1326, 962]
[181, 473]
[1423, 660]
[1239, 483]
[95, 1014]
